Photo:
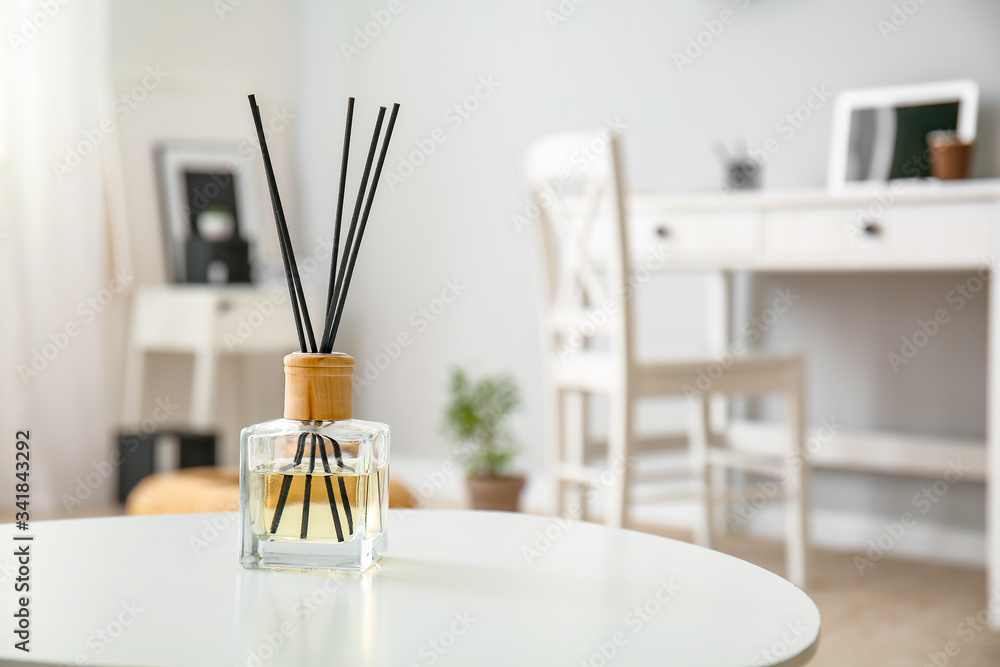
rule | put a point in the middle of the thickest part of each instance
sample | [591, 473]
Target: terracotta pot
[495, 493]
[951, 159]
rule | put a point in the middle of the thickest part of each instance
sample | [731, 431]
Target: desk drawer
[256, 321]
[959, 232]
[698, 234]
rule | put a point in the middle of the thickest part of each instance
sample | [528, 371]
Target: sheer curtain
[63, 276]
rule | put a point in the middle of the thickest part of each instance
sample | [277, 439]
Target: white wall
[452, 218]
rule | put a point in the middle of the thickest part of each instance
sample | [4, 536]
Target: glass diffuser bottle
[314, 485]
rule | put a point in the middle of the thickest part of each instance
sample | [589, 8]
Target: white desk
[456, 589]
[922, 227]
[205, 321]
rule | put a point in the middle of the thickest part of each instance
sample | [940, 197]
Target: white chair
[576, 182]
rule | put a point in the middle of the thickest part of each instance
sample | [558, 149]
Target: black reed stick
[275, 206]
[284, 239]
[286, 484]
[330, 292]
[307, 495]
[343, 487]
[342, 292]
[329, 490]
[327, 343]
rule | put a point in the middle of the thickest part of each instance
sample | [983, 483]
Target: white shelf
[875, 451]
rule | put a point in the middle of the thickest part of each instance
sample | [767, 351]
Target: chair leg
[557, 439]
[797, 491]
[580, 491]
[797, 526]
[619, 456]
[560, 495]
[701, 471]
[569, 498]
[574, 441]
[568, 435]
[719, 480]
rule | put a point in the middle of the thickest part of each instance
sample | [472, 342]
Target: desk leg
[203, 390]
[135, 379]
[719, 333]
[993, 453]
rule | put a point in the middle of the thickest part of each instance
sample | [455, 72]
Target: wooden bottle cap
[318, 386]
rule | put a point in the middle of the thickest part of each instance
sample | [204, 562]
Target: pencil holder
[314, 485]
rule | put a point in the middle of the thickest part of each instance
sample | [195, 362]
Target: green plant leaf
[476, 419]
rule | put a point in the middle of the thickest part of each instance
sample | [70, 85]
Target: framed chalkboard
[880, 134]
[210, 224]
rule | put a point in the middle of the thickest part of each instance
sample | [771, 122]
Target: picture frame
[879, 134]
[210, 221]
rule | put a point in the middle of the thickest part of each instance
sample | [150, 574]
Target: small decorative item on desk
[476, 419]
[742, 170]
[314, 485]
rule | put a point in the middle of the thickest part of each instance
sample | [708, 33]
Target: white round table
[458, 588]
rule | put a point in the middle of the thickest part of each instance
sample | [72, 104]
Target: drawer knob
[662, 231]
[872, 229]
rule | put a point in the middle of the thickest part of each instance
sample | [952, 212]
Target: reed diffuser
[314, 485]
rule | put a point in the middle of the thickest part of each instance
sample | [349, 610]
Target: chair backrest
[575, 180]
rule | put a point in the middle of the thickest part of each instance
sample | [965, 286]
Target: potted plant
[476, 419]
